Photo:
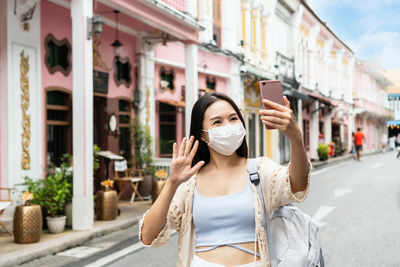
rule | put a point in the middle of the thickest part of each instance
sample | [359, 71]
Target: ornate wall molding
[26, 118]
[98, 61]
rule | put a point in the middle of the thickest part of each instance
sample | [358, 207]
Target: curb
[76, 238]
[333, 161]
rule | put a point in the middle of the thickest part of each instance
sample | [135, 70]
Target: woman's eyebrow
[219, 117]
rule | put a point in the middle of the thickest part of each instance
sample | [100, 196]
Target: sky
[371, 28]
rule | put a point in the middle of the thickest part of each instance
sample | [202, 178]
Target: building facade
[65, 85]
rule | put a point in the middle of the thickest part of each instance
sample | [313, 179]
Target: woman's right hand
[181, 165]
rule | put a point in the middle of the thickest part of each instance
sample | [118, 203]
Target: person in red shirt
[359, 139]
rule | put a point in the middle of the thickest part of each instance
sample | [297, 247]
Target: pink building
[63, 88]
[371, 103]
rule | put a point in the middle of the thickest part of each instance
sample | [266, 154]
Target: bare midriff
[229, 256]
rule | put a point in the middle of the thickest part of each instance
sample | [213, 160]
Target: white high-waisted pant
[199, 262]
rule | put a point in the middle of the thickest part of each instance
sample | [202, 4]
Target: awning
[295, 93]
[321, 98]
[393, 123]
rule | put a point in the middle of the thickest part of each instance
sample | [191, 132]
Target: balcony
[363, 106]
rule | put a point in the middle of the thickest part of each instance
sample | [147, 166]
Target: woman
[208, 198]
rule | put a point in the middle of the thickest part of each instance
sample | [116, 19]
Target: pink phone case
[271, 90]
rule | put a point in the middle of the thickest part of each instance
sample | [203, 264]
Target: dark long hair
[196, 125]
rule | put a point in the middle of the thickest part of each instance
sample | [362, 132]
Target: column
[82, 116]
[206, 19]
[245, 18]
[328, 127]
[147, 106]
[300, 114]
[351, 129]
[230, 25]
[314, 130]
[264, 38]
[191, 80]
[21, 107]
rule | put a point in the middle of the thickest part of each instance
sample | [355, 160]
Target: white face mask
[226, 139]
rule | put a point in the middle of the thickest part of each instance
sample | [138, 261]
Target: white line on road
[376, 165]
[341, 192]
[118, 254]
[326, 169]
[321, 213]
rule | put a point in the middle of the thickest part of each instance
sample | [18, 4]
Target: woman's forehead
[219, 108]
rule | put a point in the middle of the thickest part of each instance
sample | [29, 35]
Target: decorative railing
[373, 108]
[285, 65]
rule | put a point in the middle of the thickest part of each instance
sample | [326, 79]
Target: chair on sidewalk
[124, 178]
[4, 204]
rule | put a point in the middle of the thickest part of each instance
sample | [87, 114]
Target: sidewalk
[334, 160]
[12, 254]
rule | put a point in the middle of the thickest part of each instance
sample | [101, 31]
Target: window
[167, 120]
[252, 135]
[124, 119]
[122, 71]
[306, 134]
[261, 137]
[58, 126]
[58, 55]
[167, 77]
[211, 82]
[217, 22]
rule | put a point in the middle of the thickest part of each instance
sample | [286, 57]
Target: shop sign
[100, 81]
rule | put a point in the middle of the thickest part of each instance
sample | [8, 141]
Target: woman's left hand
[281, 118]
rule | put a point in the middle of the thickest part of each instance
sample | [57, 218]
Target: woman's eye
[234, 119]
[216, 122]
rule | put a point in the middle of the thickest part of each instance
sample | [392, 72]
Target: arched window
[58, 126]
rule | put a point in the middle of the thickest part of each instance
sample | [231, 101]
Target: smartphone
[271, 90]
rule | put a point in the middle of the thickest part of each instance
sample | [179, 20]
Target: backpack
[292, 236]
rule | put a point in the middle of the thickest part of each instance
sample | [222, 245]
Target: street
[356, 204]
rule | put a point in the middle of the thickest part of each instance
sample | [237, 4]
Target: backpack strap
[252, 169]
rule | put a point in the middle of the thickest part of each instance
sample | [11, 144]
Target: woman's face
[218, 114]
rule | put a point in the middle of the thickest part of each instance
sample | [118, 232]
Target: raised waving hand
[181, 165]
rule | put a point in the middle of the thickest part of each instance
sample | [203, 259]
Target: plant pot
[157, 188]
[56, 224]
[145, 186]
[106, 205]
[27, 224]
[68, 213]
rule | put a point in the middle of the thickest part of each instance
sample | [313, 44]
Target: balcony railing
[162, 163]
[365, 106]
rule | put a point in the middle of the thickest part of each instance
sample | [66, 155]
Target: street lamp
[117, 44]
[94, 26]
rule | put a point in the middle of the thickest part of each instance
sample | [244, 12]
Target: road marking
[79, 252]
[341, 192]
[119, 254]
[326, 169]
[321, 213]
[376, 165]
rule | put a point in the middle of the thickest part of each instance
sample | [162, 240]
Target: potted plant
[27, 222]
[56, 191]
[142, 141]
[158, 183]
[107, 202]
[323, 151]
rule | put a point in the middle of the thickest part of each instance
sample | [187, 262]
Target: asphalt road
[357, 205]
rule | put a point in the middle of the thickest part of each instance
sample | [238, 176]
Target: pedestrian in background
[384, 142]
[398, 145]
[353, 146]
[359, 140]
[208, 197]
